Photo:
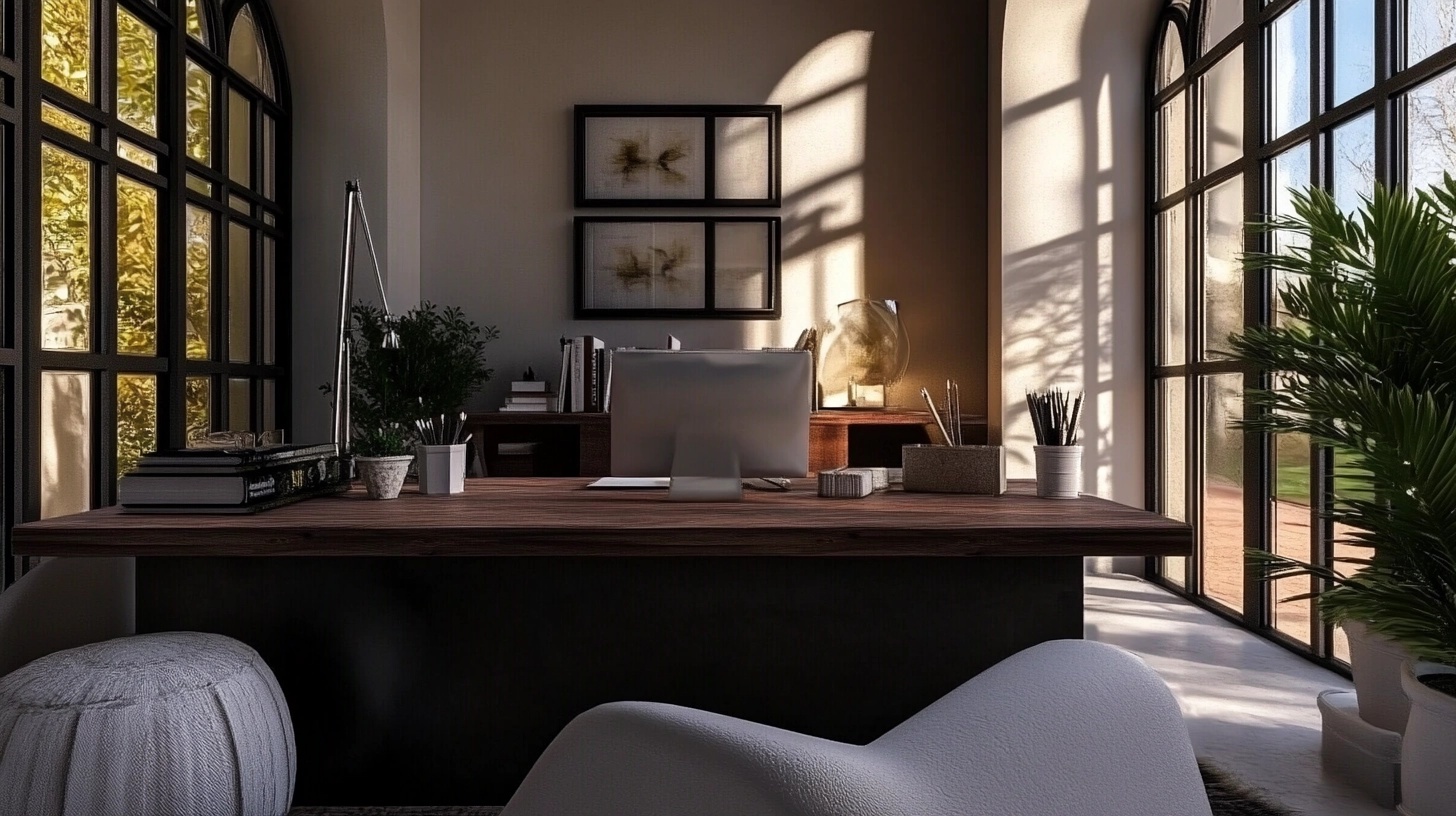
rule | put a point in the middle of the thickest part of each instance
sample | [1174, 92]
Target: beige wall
[883, 162]
[355, 84]
[1072, 227]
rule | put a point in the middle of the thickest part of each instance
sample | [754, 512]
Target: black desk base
[439, 680]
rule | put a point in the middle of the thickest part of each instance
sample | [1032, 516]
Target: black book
[235, 509]
[227, 488]
[222, 457]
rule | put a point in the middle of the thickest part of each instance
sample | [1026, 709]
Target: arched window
[1335, 93]
[146, 263]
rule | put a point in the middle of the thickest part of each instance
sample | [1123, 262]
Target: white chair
[1070, 728]
[167, 724]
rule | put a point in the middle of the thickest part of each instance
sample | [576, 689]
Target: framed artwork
[678, 155]
[645, 267]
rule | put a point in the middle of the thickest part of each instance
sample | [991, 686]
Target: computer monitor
[710, 418]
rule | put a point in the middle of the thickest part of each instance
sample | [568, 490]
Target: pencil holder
[978, 469]
[1058, 471]
[442, 469]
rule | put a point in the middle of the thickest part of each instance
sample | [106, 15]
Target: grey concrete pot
[383, 476]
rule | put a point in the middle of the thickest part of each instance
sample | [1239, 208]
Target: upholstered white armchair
[1070, 728]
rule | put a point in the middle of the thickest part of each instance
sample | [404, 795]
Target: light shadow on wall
[824, 98]
[1072, 277]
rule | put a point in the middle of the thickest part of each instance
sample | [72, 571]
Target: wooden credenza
[581, 444]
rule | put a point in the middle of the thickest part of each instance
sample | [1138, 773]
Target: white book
[529, 385]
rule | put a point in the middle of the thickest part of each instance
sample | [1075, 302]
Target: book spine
[607, 389]
[237, 458]
[578, 384]
[259, 486]
[563, 382]
[594, 381]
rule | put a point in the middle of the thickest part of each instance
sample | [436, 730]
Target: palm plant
[1366, 364]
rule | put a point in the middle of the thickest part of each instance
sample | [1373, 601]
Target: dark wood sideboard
[581, 444]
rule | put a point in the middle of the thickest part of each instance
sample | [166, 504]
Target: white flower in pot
[383, 455]
[1364, 365]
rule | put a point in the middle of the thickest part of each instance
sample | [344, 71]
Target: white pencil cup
[442, 469]
[1058, 471]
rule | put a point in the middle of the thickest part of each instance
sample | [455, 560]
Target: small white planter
[1058, 471]
[1375, 663]
[383, 476]
[1428, 749]
[442, 469]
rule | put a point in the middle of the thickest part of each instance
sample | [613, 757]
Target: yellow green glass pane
[69, 122]
[240, 294]
[195, 28]
[199, 408]
[240, 405]
[240, 138]
[247, 53]
[136, 419]
[199, 282]
[1295, 526]
[136, 267]
[65, 249]
[240, 204]
[65, 45]
[199, 113]
[266, 309]
[270, 407]
[199, 184]
[65, 443]
[136, 154]
[1223, 490]
[270, 158]
[136, 72]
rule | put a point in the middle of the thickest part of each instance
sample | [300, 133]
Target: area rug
[1226, 795]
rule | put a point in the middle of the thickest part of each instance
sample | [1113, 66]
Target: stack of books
[214, 480]
[530, 395]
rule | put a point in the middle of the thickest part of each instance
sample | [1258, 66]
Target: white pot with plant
[1365, 364]
[382, 456]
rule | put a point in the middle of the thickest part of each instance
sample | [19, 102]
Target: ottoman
[177, 723]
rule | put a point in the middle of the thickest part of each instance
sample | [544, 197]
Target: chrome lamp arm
[353, 206]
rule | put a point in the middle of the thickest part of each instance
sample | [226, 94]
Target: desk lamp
[354, 205]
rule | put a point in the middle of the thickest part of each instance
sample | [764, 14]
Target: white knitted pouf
[171, 724]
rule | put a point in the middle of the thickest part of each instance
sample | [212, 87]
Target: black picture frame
[656, 267]
[678, 155]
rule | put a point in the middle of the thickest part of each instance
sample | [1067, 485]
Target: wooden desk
[415, 679]
[581, 444]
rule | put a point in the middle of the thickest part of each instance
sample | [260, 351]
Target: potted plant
[439, 363]
[383, 453]
[1365, 364]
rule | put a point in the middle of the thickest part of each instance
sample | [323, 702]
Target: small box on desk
[978, 469]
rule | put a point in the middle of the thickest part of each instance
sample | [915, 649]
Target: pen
[925, 394]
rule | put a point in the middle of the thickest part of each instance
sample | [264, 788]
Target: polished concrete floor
[1250, 705]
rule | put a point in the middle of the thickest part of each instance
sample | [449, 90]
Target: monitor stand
[705, 468]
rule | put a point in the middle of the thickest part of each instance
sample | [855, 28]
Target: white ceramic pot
[442, 469]
[1375, 662]
[1428, 749]
[383, 476]
[1058, 471]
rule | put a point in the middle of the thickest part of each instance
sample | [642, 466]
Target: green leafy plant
[1365, 363]
[439, 363]
[383, 440]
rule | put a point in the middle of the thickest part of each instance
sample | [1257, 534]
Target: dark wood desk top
[889, 416]
[560, 517]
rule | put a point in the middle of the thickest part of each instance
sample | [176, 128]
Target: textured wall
[883, 163]
[1072, 227]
